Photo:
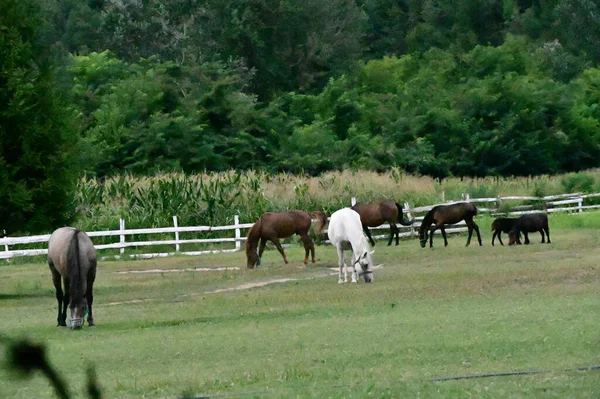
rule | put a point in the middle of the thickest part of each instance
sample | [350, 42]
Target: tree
[36, 140]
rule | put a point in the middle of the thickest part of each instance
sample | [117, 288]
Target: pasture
[429, 313]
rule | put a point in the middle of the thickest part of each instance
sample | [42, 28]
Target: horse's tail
[401, 217]
[474, 209]
[321, 220]
[74, 266]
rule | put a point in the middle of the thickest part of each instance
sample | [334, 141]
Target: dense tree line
[437, 87]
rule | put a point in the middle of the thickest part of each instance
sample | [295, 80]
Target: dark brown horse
[529, 224]
[448, 214]
[273, 226]
[377, 213]
[72, 256]
[503, 225]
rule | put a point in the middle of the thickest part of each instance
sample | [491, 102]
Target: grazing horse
[345, 233]
[377, 213]
[441, 215]
[72, 256]
[503, 225]
[273, 226]
[528, 224]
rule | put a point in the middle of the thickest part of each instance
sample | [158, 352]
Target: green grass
[429, 313]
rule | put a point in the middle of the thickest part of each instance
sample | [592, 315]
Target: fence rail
[553, 203]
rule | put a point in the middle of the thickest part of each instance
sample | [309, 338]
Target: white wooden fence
[555, 203]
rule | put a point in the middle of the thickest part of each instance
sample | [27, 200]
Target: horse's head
[423, 237]
[364, 266]
[78, 311]
[512, 237]
[252, 259]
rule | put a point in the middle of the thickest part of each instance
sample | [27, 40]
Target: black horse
[529, 224]
[503, 225]
[448, 214]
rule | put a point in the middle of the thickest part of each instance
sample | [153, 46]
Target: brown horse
[273, 226]
[377, 213]
[448, 214]
[72, 256]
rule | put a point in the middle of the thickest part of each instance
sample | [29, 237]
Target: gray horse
[72, 256]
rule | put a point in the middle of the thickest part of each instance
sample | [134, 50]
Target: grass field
[429, 313]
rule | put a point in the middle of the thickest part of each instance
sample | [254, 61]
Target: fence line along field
[572, 202]
[293, 331]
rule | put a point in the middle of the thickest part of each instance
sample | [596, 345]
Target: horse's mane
[253, 236]
[74, 267]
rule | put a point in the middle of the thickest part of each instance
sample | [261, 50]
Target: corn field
[213, 199]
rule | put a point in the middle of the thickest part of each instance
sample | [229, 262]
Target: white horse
[346, 233]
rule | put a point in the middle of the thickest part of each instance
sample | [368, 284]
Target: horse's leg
[470, 228]
[477, 231]
[279, 248]
[341, 264]
[66, 300]
[526, 238]
[308, 247]
[494, 236]
[500, 238]
[368, 233]
[547, 234]
[394, 232]
[543, 238]
[90, 294]
[443, 230]
[56, 280]
[431, 231]
[261, 249]
[353, 271]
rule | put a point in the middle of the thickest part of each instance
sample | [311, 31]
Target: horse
[72, 256]
[441, 215]
[503, 225]
[377, 213]
[345, 233]
[273, 226]
[528, 224]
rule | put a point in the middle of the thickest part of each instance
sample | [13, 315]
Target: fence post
[467, 197]
[353, 201]
[410, 217]
[122, 236]
[443, 196]
[238, 233]
[176, 224]
[580, 204]
[5, 245]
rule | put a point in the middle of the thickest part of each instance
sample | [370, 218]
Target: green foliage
[37, 172]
